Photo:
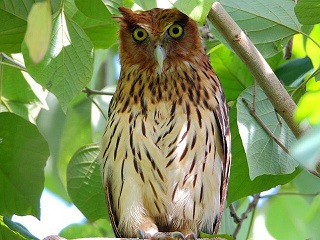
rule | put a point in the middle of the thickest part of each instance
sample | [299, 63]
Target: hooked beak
[159, 55]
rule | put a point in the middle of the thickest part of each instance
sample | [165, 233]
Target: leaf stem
[258, 119]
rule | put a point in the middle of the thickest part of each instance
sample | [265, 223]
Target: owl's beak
[159, 55]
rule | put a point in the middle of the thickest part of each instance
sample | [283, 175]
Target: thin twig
[90, 92]
[97, 105]
[291, 194]
[253, 214]
[253, 113]
[254, 95]
[12, 62]
[245, 214]
[233, 214]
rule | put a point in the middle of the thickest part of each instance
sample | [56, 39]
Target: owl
[166, 147]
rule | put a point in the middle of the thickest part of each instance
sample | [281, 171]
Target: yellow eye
[139, 34]
[175, 31]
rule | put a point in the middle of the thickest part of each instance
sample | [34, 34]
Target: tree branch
[256, 64]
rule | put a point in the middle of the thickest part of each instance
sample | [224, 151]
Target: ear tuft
[126, 12]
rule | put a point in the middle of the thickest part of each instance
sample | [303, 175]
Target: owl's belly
[164, 165]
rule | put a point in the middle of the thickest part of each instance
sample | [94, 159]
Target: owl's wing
[112, 214]
[107, 188]
[221, 115]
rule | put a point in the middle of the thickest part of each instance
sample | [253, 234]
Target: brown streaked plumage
[166, 148]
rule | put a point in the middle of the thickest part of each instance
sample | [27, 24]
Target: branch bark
[256, 64]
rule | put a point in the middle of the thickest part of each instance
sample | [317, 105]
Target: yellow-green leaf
[39, 30]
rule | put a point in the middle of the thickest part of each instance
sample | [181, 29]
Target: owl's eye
[139, 34]
[175, 31]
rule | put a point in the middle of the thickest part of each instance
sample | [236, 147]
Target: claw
[191, 236]
[141, 234]
[168, 236]
[177, 235]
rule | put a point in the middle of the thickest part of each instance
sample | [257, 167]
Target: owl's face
[158, 39]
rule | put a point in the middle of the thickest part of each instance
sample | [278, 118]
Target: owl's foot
[166, 236]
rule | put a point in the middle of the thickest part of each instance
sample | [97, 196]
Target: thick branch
[256, 64]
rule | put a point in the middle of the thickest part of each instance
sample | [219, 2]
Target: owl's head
[158, 38]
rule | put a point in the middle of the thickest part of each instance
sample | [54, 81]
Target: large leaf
[306, 108]
[55, 118]
[313, 218]
[195, 9]
[240, 184]
[95, 20]
[76, 132]
[85, 184]
[292, 73]
[99, 228]
[23, 154]
[268, 23]
[307, 11]
[17, 229]
[285, 217]
[233, 74]
[264, 155]
[66, 134]
[13, 19]
[22, 95]
[39, 30]
[7, 233]
[307, 149]
[67, 67]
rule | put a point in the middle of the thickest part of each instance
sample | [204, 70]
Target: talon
[168, 236]
[141, 234]
[177, 235]
[191, 236]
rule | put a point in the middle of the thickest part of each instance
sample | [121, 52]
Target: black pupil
[175, 30]
[140, 34]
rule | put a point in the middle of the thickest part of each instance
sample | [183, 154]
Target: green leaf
[76, 131]
[18, 228]
[99, 228]
[67, 133]
[285, 217]
[307, 149]
[55, 118]
[13, 19]
[146, 5]
[306, 108]
[239, 174]
[219, 236]
[307, 11]
[307, 183]
[23, 153]
[67, 67]
[102, 29]
[268, 23]
[195, 9]
[264, 155]
[7, 233]
[313, 218]
[39, 30]
[85, 184]
[313, 50]
[233, 74]
[21, 93]
[292, 73]
[94, 9]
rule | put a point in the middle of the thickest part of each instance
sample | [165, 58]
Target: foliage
[45, 118]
